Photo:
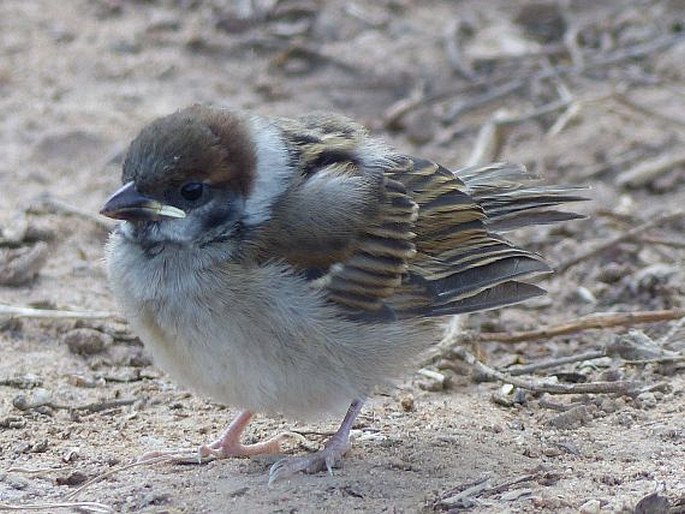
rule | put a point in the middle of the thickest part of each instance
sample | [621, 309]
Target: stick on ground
[594, 321]
[618, 387]
[630, 234]
[12, 311]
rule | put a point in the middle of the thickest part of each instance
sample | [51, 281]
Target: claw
[325, 459]
[332, 452]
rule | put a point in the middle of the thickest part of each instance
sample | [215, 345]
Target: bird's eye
[192, 191]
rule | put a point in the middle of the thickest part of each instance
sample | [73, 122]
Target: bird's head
[186, 179]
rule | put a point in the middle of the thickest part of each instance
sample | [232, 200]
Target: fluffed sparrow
[291, 265]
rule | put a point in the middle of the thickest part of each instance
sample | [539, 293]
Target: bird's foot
[325, 459]
[228, 445]
[220, 449]
[225, 447]
[332, 452]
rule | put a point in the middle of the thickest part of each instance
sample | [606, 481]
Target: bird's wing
[347, 227]
[462, 263]
[408, 238]
[379, 258]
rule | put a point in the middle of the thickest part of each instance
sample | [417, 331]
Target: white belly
[257, 338]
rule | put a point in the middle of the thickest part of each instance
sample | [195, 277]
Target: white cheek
[126, 230]
[179, 231]
[273, 173]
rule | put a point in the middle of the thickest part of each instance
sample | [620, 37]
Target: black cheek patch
[219, 217]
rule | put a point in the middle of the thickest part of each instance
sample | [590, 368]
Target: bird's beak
[128, 204]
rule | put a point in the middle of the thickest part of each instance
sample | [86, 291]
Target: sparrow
[291, 265]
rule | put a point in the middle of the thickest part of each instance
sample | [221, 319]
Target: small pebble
[516, 494]
[585, 295]
[407, 403]
[86, 382]
[70, 455]
[40, 446]
[38, 398]
[573, 417]
[14, 481]
[436, 381]
[647, 400]
[12, 422]
[590, 507]
[653, 503]
[608, 405]
[624, 420]
[611, 375]
[14, 232]
[552, 451]
[75, 478]
[611, 273]
[507, 389]
[516, 424]
[542, 21]
[19, 266]
[155, 498]
[86, 341]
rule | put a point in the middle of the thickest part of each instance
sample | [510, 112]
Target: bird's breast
[255, 337]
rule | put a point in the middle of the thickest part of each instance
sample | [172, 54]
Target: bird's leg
[229, 445]
[332, 452]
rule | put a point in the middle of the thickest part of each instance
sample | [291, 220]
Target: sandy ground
[593, 93]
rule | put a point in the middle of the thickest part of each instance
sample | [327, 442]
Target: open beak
[128, 204]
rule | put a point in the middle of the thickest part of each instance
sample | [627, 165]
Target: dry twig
[622, 99]
[629, 234]
[489, 140]
[455, 55]
[594, 321]
[61, 207]
[554, 363]
[37, 471]
[617, 163]
[93, 408]
[660, 241]
[646, 171]
[50, 507]
[506, 485]
[19, 266]
[498, 91]
[12, 311]
[492, 94]
[464, 494]
[502, 90]
[73, 494]
[618, 387]
[673, 332]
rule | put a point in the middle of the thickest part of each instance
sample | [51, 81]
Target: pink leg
[229, 445]
[332, 451]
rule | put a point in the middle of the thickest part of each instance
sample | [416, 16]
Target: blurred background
[583, 92]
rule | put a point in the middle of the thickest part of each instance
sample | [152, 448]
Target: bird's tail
[463, 263]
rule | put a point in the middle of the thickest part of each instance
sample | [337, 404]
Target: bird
[291, 265]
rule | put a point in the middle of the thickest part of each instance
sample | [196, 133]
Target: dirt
[594, 94]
